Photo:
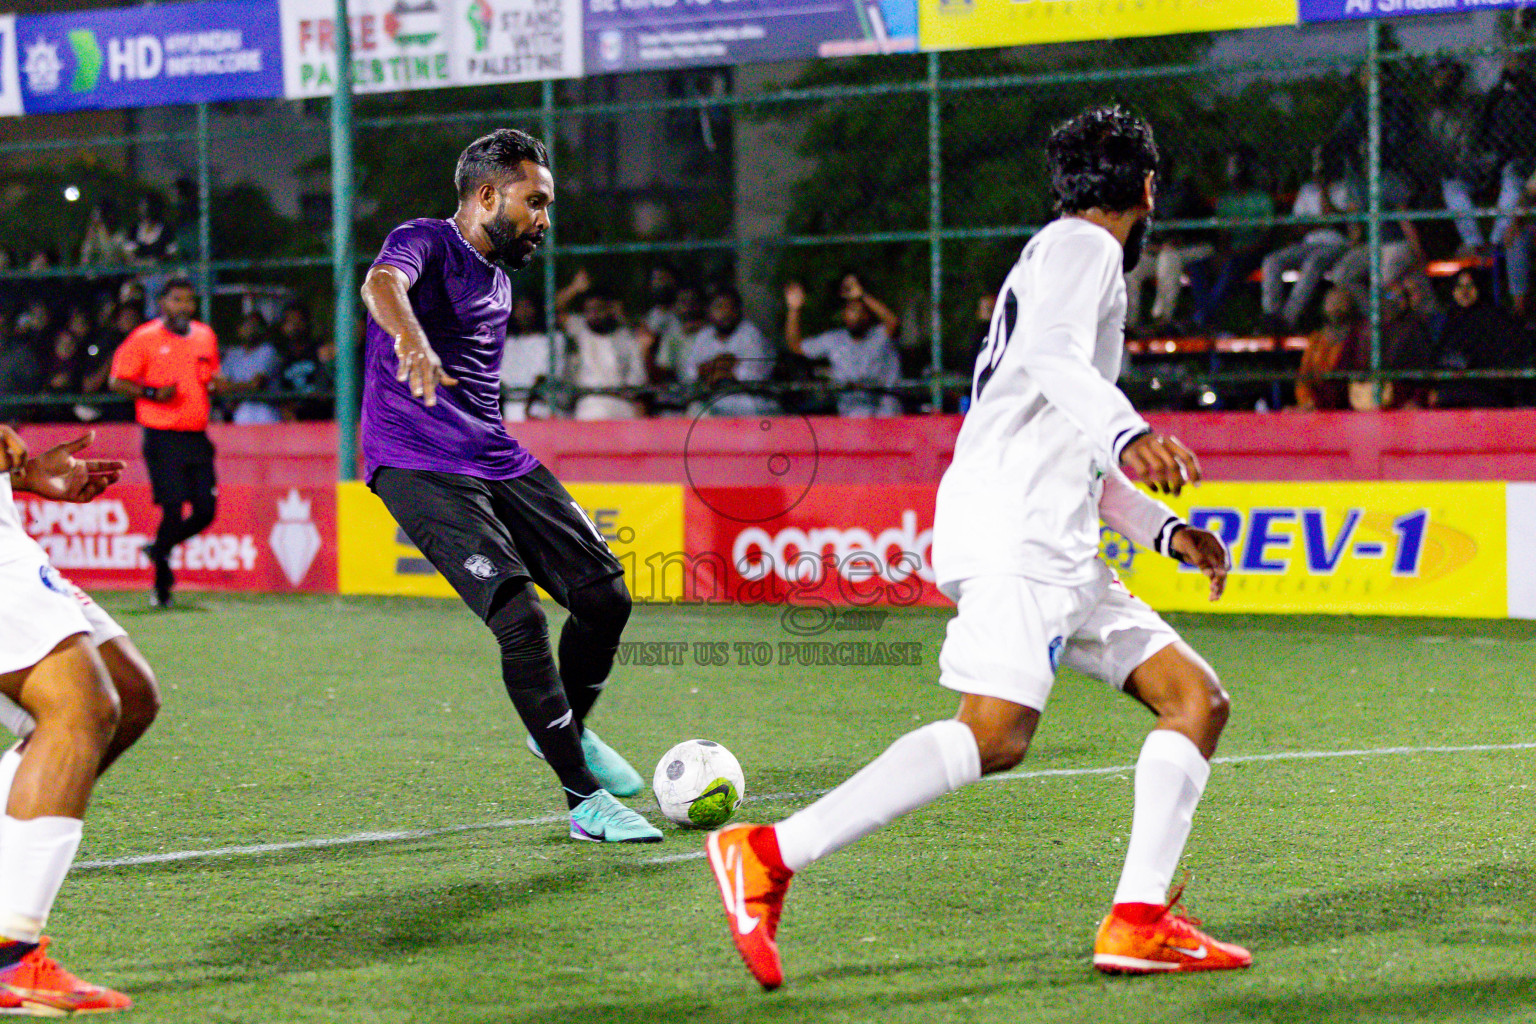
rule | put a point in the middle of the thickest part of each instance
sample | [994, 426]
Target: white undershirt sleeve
[1138, 517]
[1057, 335]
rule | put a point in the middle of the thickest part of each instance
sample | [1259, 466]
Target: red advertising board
[839, 544]
[265, 538]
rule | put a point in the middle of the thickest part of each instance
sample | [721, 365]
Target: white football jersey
[1037, 459]
[14, 540]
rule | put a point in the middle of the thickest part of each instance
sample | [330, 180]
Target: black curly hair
[497, 157]
[1100, 158]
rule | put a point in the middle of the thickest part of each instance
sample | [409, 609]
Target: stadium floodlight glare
[71, 193]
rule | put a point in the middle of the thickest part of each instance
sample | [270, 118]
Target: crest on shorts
[1054, 652]
[479, 567]
[50, 578]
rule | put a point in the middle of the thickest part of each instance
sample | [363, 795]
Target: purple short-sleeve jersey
[463, 303]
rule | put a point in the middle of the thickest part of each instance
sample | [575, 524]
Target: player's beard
[509, 247]
[1134, 241]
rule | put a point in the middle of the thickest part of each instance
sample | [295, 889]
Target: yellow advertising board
[963, 24]
[638, 521]
[1364, 548]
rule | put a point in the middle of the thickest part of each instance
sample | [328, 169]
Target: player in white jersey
[1037, 464]
[74, 687]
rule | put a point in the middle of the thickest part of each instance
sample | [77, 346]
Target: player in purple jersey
[478, 505]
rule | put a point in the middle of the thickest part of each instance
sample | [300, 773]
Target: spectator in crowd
[1402, 249]
[61, 371]
[1478, 335]
[661, 294]
[1179, 198]
[688, 319]
[1410, 323]
[1505, 130]
[132, 293]
[151, 241]
[101, 345]
[307, 368]
[254, 362]
[605, 352]
[729, 352]
[103, 244]
[32, 325]
[531, 358]
[1238, 250]
[1335, 346]
[1404, 151]
[1314, 255]
[862, 352]
[21, 372]
[1460, 163]
[170, 366]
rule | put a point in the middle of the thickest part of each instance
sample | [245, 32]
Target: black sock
[533, 683]
[590, 639]
[12, 952]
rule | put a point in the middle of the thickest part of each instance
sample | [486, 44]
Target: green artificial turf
[1376, 887]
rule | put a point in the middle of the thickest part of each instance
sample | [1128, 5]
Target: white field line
[365, 838]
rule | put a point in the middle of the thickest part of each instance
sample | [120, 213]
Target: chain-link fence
[1341, 222]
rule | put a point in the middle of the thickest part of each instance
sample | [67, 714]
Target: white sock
[1170, 776]
[35, 856]
[9, 762]
[913, 772]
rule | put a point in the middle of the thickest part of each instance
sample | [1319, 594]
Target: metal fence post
[343, 266]
[204, 218]
[547, 127]
[935, 238]
[1373, 196]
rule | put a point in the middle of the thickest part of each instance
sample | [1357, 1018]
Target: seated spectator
[1238, 250]
[32, 325]
[306, 369]
[151, 241]
[730, 351]
[861, 352]
[21, 372]
[687, 319]
[1402, 250]
[1168, 253]
[1410, 323]
[1335, 346]
[1460, 163]
[133, 293]
[253, 361]
[528, 361]
[1503, 129]
[61, 370]
[103, 244]
[1478, 335]
[1314, 255]
[100, 345]
[605, 352]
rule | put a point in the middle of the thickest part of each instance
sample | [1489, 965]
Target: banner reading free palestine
[430, 44]
[149, 56]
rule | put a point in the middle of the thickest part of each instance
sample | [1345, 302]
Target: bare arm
[567, 295]
[794, 300]
[133, 389]
[386, 294]
[885, 314]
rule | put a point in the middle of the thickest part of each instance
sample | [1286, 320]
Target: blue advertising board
[150, 56]
[1348, 10]
[637, 35]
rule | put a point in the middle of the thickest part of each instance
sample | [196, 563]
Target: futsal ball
[699, 784]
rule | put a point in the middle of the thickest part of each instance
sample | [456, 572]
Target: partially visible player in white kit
[79, 693]
[1016, 545]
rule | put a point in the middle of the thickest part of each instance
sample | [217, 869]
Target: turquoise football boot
[607, 765]
[602, 819]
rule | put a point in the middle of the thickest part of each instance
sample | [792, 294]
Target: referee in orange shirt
[170, 365]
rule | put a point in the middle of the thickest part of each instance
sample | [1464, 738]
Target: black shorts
[180, 464]
[484, 534]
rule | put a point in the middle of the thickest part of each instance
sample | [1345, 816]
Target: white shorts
[1011, 633]
[38, 609]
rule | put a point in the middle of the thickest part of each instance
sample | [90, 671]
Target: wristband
[1164, 540]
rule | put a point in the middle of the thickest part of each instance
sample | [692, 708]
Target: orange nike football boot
[1171, 942]
[37, 986]
[752, 881]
